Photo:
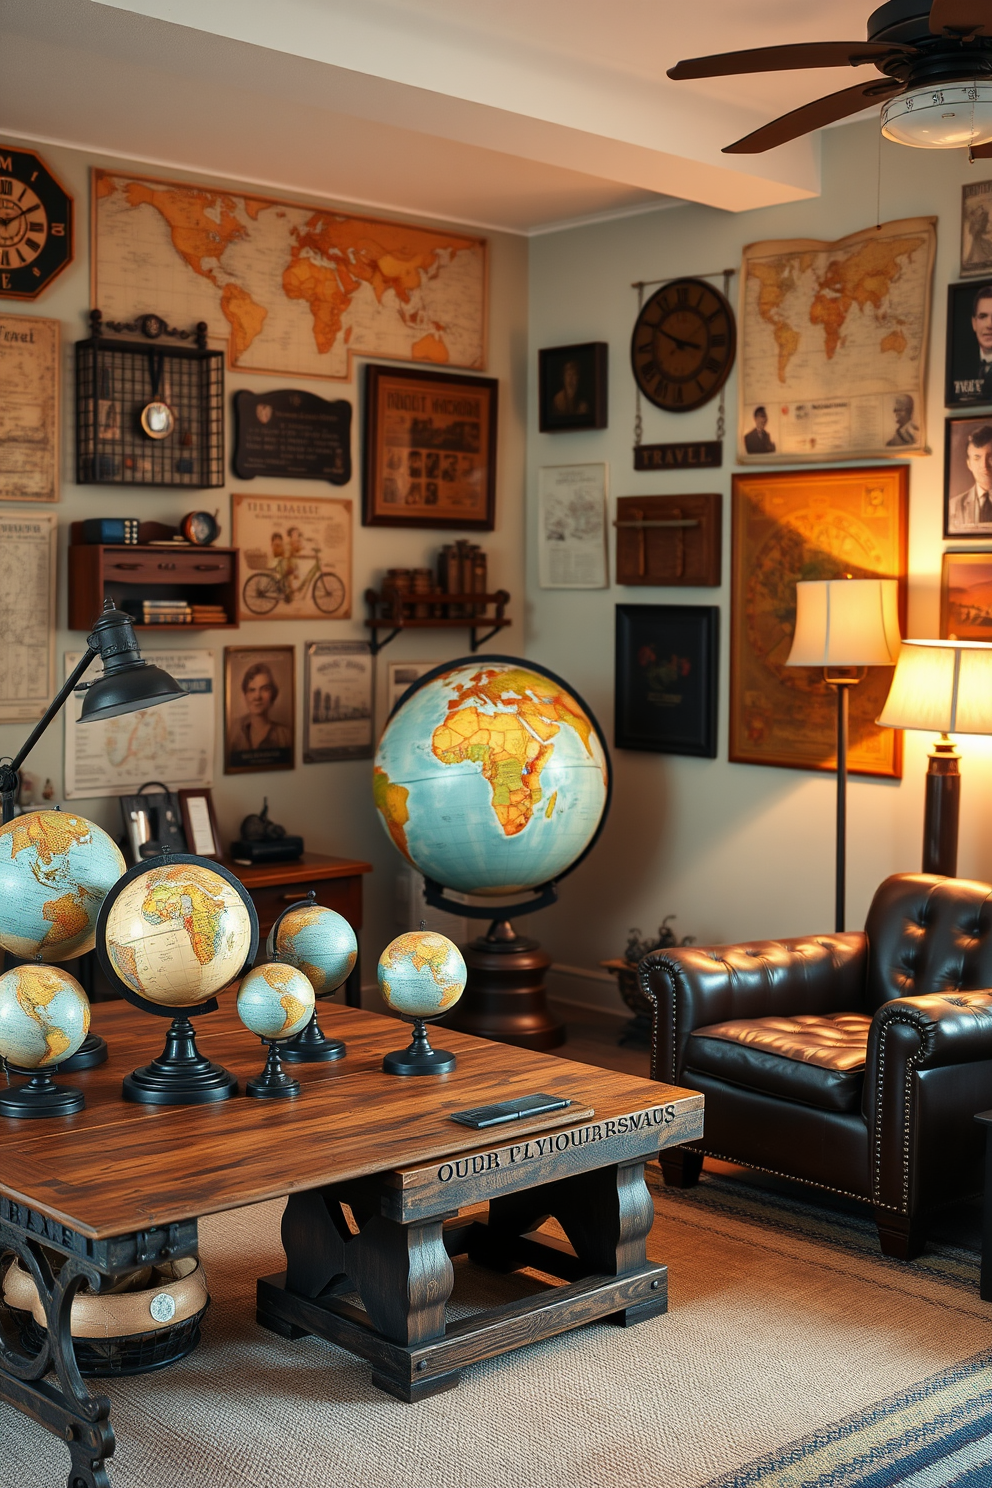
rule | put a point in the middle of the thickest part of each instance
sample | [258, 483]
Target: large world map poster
[295, 290]
[834, 345]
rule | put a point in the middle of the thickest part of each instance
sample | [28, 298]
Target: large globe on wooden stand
[492, 778]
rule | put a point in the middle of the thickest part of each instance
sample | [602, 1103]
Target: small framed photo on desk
[200, 823]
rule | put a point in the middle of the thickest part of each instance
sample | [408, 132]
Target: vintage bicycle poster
[295, 557]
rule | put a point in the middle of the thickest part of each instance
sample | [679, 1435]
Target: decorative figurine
[258, 828]
[321, 944]
[276, 1002]
[421, 977]
[44, 1018]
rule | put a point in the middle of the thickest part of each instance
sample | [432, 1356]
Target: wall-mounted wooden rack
[392, 611]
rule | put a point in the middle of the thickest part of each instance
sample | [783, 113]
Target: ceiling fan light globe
[948, 117]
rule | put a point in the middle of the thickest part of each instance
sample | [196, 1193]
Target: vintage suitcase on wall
[669, 539]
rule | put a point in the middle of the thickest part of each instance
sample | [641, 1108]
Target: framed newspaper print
[430, 449]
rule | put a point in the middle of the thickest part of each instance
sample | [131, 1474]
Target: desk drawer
[342, 894]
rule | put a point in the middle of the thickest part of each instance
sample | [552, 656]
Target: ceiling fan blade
[981, 152]
[961, 18]
[815, 115]
[782, 58]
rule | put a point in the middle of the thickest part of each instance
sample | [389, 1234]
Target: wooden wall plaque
[669, 540]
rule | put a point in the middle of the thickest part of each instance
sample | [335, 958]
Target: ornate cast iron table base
[400, 1261]
[48, 1386]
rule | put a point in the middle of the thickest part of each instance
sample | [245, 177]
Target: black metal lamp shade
[128, 682]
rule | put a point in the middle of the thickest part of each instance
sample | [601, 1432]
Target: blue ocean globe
[56, 869]
[318, 941]
[492, 776]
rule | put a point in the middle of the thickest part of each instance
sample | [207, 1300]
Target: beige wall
[329, 804]
[733, 850]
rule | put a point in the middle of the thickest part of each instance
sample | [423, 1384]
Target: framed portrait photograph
[572, 387]
[976, 228]
[200, 823]
[966, 596]
[667, 661]
[337, 721]
[259, 708]
[815, 524]
[430, 449]
[968, 477]
[969, 343]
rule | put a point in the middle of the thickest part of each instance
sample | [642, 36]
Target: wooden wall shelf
[97, 572]
[394, 612]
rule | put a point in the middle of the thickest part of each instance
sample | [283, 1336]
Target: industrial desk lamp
[127, 683]
[843, 626]
[944, 687]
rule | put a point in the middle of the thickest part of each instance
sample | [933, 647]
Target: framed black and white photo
[968, 477]
[572, 387]
[259, 708]
[667, 659]
[969, 343]
[337, 719]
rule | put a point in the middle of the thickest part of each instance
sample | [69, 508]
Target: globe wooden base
[92, 1051]
[180, 1076]
[312, 1047]
[40, 1097]
[505, 997]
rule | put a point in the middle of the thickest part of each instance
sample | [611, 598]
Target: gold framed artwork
[808, 525]
[259, 708]
[966, 596]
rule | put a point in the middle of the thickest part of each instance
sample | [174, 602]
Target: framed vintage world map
[295, 290]
[809, 525]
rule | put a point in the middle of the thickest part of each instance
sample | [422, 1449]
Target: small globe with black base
[320, 943]
[170, 934]
[421, 976]
[275, 1001]
[44, 1018]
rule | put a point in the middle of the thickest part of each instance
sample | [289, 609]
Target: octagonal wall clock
[683, 345]
[35, 224]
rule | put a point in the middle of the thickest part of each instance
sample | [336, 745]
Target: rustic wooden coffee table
[120, 1186]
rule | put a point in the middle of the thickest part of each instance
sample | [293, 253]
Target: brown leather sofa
[852, 1062]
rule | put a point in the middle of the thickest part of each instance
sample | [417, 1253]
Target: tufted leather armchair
[852, 1062]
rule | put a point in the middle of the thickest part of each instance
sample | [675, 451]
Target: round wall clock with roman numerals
[35, 224]
[683, 345]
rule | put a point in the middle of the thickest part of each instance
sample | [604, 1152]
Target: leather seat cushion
[818, 1059]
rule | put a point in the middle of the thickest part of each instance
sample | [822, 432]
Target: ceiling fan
[936, 88]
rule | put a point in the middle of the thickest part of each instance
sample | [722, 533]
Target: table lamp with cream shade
[844, 626]
[944, 687]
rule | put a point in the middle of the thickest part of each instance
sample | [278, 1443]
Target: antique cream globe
[44, 1016]
[56, 869]
[275, 1001]
[176, 933]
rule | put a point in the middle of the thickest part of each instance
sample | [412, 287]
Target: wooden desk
[336, 882]
[118, 1186]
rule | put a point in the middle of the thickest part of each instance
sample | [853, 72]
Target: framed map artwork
[809, 525]
[834, 338]
[430, 449]
[294, 289]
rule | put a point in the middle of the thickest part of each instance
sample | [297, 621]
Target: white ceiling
[522, 114]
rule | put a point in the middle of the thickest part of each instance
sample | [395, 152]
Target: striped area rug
[936, 1434]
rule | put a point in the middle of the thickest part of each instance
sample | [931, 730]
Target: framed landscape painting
[809, 525]
[966, 596]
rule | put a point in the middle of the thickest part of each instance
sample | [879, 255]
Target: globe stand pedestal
[91, 1052]
[273, 1083]
[312, 1047]
[180, 1076]
[505, 997]
[419, 1058]
[40, 1096]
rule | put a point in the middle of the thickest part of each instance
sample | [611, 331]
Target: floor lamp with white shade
[844, 626]
[943, 687]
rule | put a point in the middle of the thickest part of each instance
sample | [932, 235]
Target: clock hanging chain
[721, 409]
[638, 423]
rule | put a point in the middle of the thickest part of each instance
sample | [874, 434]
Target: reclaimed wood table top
[116, 1167]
